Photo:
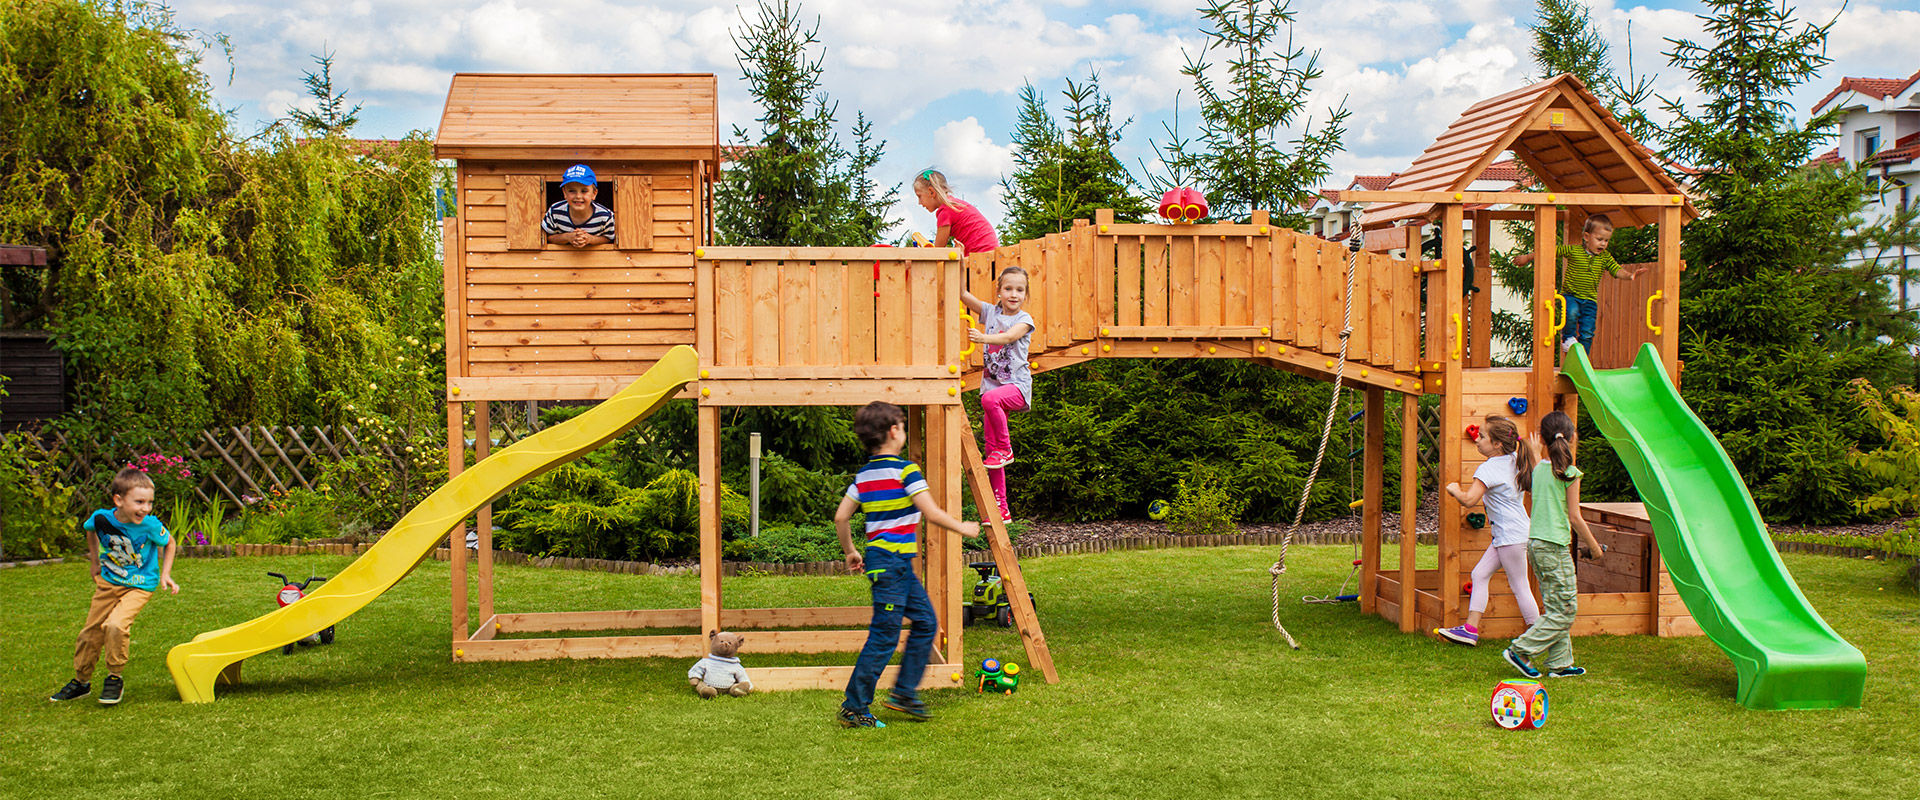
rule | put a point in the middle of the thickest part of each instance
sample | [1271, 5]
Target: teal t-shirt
[129, 554]
[1550, 522]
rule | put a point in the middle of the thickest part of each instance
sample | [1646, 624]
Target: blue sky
[940, 79]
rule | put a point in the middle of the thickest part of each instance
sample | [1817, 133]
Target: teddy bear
[720, 671]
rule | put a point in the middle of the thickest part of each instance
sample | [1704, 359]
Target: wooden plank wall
[800, 317]
[534, 309]
[36, 378]
[1622, 324]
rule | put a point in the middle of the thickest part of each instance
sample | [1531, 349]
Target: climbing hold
[1517, 405]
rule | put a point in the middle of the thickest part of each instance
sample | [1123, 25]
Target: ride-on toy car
[989, 599]
[290, 592]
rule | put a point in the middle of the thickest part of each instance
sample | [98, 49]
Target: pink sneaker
[998, 459]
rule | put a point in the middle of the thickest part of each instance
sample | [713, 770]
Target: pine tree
[1773, 318]
[1064, 173]
[330, 117]
[1238, 158]
[795, 184]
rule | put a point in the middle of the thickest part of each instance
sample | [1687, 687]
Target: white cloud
[965, 150]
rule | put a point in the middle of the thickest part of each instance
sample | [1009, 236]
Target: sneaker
[1459, 634]
[998, 459]
[1567, 672]
[74, 688]
[1519, 663]
[1566, 345]
[910, 706]
[110, 690]
[849, 719]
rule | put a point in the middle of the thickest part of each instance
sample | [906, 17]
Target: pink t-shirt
[968, 226]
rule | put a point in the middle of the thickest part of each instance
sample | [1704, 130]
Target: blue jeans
[897, 592]
[1582, 315]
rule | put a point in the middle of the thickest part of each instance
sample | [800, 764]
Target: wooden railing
[1105, 281]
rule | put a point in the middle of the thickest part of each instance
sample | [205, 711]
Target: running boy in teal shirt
[124, 550]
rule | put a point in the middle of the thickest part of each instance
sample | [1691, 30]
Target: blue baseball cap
[578, 173]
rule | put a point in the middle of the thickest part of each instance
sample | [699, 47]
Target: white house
[1880, 129]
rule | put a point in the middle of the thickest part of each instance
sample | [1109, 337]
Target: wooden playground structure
[776, 326]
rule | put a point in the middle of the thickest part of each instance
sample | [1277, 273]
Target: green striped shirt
[1581, 277]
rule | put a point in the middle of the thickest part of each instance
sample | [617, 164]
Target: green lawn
[1173, 685]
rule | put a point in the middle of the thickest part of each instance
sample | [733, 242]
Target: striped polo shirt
[559, 220]
[1581, 277]
[885, 488]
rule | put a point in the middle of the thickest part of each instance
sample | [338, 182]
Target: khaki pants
[109, 625]
[1551, 635]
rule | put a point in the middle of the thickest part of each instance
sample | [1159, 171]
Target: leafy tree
[1239, 156]
[330, 117]
[198, 278]
[1773, 326]
[795, 184]
[1064, 173]
[1565, 39]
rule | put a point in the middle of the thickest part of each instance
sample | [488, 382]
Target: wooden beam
[1512, 198]
[709, 456]
[1374, 496]
[1409, 504]
[1545, 278]
[1668, 274]
[1452, 405]
[867, 254]
[829, 392]
[457, 540]
[483, 519]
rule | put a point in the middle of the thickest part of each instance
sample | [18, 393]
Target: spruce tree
[1241, 158]
[331, 116]
[794, 183]
[1063, 173]
[1771, 315]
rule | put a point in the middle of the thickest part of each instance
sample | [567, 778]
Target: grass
[1174, 684]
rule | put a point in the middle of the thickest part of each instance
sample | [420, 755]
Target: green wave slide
[1715, 545]
[198, 665]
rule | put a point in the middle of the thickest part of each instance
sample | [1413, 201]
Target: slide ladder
[1714, 543]
[217, 655]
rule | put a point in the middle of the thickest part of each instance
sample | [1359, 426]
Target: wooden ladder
[1024, 616]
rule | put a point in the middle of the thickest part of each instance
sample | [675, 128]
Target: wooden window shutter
[633, 211]
[526, 206]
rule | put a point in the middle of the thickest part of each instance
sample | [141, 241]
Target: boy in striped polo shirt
[1580, 280]
[893, 493]
[577, 220]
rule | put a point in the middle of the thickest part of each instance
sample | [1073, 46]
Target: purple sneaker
[1459, 634]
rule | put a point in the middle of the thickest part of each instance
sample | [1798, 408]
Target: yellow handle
[1559, 321]
[1658, 294]
[971, 344]
[1458, 336]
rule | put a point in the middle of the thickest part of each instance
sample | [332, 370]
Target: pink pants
[1511, 559]
[994, 407]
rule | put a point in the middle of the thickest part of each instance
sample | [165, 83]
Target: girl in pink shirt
[957, 219]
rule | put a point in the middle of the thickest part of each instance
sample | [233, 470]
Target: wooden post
[1668, 274]
[457, 540]
[709, 449]
[1452, 412]
[1373, 495]
[482, 446]
[945, 559]
[1545, 267]
[1409, 504]
[1482, 301]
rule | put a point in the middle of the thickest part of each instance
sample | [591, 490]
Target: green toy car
[989, 599]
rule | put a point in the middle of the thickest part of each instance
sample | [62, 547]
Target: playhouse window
[603, 198]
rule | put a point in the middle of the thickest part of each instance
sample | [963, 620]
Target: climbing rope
[1326, 432]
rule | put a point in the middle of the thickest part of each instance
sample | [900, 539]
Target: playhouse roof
[1562, 134]
[642, 117]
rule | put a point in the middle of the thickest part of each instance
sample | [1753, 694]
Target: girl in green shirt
[1555, 484]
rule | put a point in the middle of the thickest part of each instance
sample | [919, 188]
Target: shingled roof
[1560, 131]
[660, 117]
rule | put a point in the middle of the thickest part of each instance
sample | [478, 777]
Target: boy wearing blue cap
[577, 220]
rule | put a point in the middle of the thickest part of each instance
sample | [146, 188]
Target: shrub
[787, 545]
[1895, 465]
[36, 520]
[582, 511]
[1203, 504]
[283, 516]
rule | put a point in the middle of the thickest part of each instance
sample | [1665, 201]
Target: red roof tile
[1872, 87]
[1373, 183]
[1829, 158]
[1905, 149]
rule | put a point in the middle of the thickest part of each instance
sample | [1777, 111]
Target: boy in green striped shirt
[1580, 279]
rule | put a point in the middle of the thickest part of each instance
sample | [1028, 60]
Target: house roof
[1904, 149]
[667, 117]
[1559, 131]
[1374, 183]
[1881, 88]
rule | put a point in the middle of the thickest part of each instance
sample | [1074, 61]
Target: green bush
[1894, 466]
[285, 516]
[1203, 505]
[36, 517]
[582, 511]
[787, 545]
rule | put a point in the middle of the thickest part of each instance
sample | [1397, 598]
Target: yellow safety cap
[1363, 373]
[1106, 348]
[705, 374]
[458, 653]
[1675, 200]
[953, 255]
[705, 392]
[1266, 331]
[1549, 197]
[1456, 195]
[1398, 381]
[953, 369]
[1156, 348]
[1084, 351]
[1106, 331]
[700, 252]
[454, 390]
[953, 391]
[1329, 365]
[1212, 350]
[1263, 230]
[1263, 348]
[1103, 229]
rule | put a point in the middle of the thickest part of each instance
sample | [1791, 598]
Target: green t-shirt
[1581, 277]
[1550, 520]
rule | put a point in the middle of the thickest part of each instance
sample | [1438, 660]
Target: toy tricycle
[989, 600]
[291, 592]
